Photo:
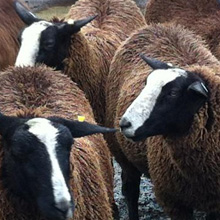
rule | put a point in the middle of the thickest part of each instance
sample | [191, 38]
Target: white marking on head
[47, 134]
[30, 43]
[140, 109]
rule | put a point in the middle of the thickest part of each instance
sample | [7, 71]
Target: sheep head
[166, 105]
[45, 42]
[36, 164]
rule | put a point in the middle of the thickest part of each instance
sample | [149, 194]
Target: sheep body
[38, 92]
[93, 47]
[9, 27]
[127, 77]
[202, 17]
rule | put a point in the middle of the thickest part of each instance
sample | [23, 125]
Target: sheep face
[36, 160]
[45, 42]
[166, 106]
[36, 165]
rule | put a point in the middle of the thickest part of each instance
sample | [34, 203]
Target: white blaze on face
[47, 134]
[30, 43]
[139, 111]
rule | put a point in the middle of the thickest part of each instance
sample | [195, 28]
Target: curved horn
[26, 16]
[154, 63]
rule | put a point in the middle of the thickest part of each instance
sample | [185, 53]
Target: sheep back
[93, 47]
[202, 17]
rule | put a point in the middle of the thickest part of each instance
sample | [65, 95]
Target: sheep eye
[173, 93]
[49, 44]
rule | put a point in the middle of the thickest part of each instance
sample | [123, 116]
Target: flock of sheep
[157, 78]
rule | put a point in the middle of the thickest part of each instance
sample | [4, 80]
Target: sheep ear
[199, 88]
[154, 63]
[81, 129]
[6, 122]
[72, 27]
[26, 16]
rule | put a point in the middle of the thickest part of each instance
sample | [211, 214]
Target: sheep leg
[213, 216]
[131, 190]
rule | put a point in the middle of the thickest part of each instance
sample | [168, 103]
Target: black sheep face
[45, 42]
[166, 106]
[36, 161]
[36, 165]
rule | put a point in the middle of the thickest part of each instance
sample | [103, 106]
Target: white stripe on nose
[47, 134]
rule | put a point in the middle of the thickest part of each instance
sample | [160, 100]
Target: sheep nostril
[63, 207]
[124, 123]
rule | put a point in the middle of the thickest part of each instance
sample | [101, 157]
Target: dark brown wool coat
[93, 47]
[10, 27]
[127, 78]
[43, 92]
[200, 16]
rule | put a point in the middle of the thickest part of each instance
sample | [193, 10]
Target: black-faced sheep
[39, 168]
[200, 16]
[127, 78]
[83, 53]
[10, 27]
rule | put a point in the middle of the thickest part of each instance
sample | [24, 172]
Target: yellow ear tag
[81, 118]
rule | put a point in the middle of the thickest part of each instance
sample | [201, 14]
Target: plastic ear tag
[81, 118]
[70, 21]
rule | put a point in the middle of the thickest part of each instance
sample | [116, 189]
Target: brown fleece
[126, 80]
[128, 73]
[200, 16]
[42, 92]
[185, 170]
[10, 27]
[93, 47]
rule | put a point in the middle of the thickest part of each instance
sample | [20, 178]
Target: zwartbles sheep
[200, 16]
[43, 174]
[85, 53]
[127, 78]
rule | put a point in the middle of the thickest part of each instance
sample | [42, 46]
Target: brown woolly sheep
[200, 16]
[10, 26]
[41, 92]
[126, 79]
[90, 51]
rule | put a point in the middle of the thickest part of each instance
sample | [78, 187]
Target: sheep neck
[83, 66]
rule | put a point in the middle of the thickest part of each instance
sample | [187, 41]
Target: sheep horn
[80, 23]
[26, 16]
[154, 63]
[199, 88]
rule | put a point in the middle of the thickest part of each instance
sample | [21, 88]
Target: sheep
[202, 17]
[127, 78]
[10, 27]
[85, 53]
[39, 109]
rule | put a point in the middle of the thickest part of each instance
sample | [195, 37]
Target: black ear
[26, 16]
[154, 63]
[81, 129]
[76, 26]
[199, 88]
[7, 122]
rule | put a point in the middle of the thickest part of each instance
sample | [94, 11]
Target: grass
[58, 11]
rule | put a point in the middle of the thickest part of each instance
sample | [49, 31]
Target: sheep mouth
[136, 138]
